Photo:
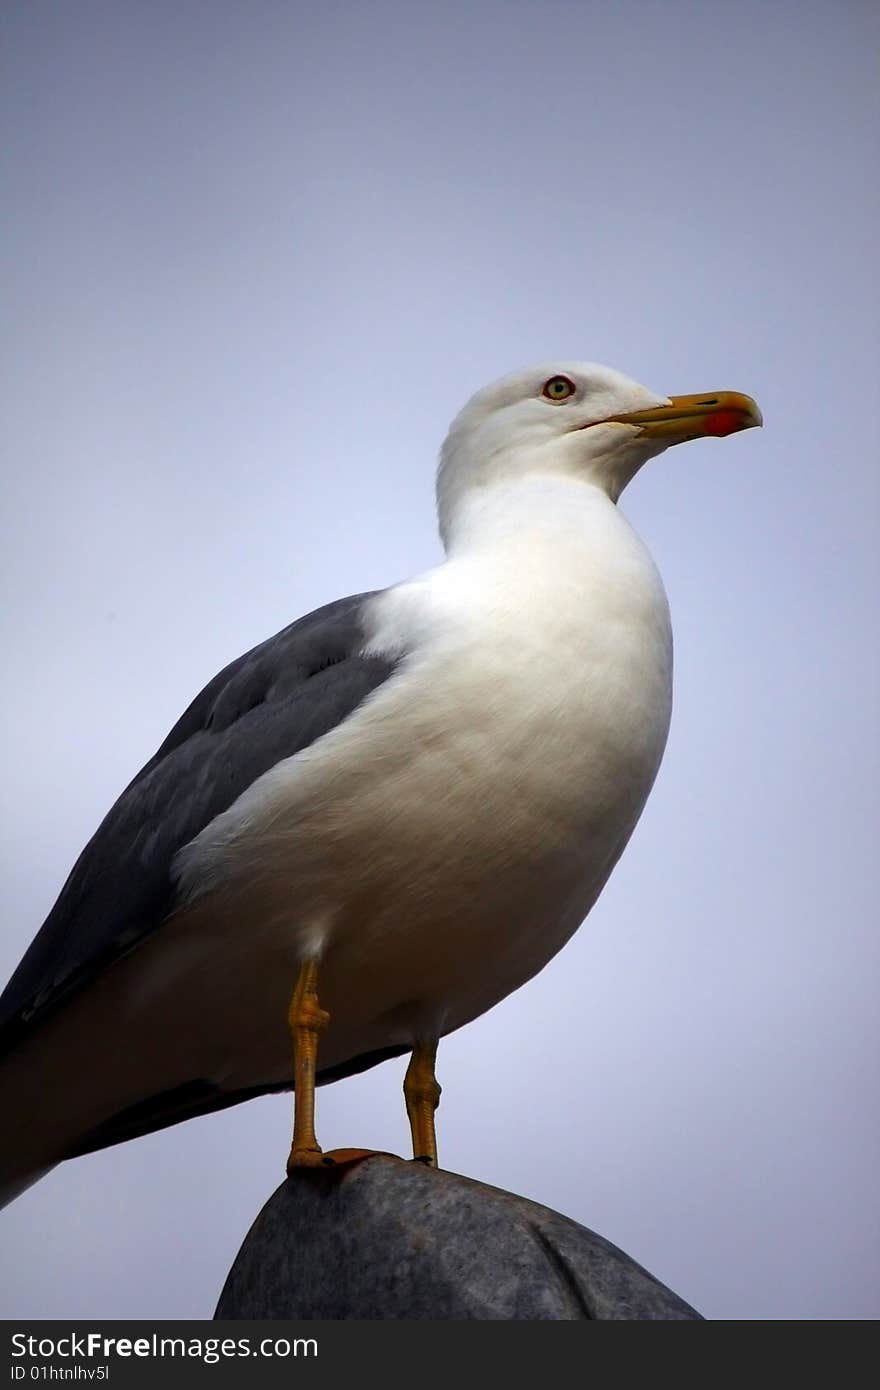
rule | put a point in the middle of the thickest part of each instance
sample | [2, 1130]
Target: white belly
[443, 844]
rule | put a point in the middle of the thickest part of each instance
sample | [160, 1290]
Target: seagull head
[575, 419]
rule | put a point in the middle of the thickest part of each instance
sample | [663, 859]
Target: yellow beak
[717, 413]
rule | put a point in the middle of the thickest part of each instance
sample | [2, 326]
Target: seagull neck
[512, 513]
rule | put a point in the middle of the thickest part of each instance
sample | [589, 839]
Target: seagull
[372, 827]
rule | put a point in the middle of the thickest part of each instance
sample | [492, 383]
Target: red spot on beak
[723, 422]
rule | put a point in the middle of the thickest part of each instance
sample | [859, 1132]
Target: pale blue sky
[259, 255]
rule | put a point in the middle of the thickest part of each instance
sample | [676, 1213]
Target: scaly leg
[421, 1091]
[306, 1020]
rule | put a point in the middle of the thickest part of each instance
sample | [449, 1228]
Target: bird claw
[335, 1158]
[307, 1158]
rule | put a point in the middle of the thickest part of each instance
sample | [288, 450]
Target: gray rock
[385, 1239]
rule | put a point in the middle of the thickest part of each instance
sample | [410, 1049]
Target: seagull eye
[558, 388]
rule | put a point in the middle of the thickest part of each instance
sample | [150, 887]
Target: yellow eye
[558, 388]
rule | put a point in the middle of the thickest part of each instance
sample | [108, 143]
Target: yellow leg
[306, 1020]
[421, 1091]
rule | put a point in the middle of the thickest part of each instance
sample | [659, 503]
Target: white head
[574, 419]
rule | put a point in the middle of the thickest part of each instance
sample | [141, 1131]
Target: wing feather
[267, 705]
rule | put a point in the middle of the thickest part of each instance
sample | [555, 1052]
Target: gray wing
[269, 704]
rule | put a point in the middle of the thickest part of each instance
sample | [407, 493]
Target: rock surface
[385, 1239]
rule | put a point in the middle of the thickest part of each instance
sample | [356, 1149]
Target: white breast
[444, 842]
